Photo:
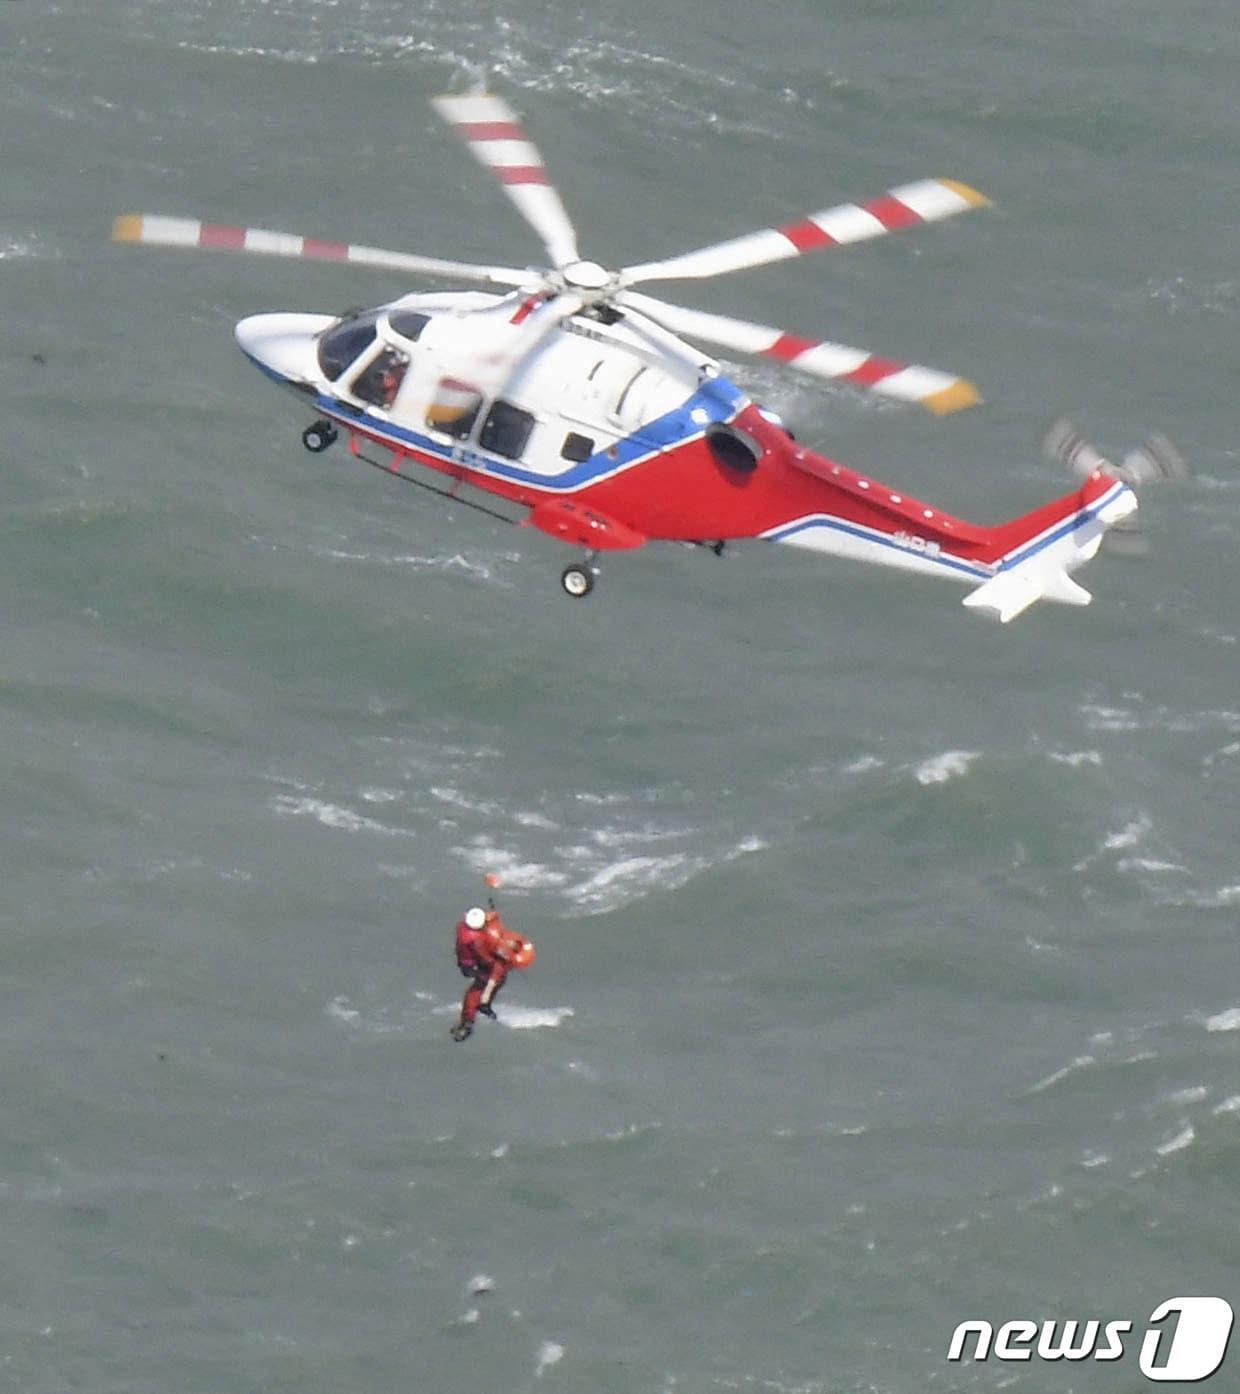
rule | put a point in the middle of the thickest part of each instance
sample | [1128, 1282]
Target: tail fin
[1036, 554]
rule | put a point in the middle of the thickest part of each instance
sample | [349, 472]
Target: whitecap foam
[1231, 1105]
[14, 250]
[863, 765]
[1193, 1094]
[1120, 840]
[1127, 836]
[1075, 758]
[455, 799]
[630, 878]
[332, 816]
[516, 874]
[641, 833]
[1109, 718]
[951, 764]
[1178, 1143]
[1224, 1021]
[549, 1353]
[1224, 753]
[533, 1018]
[1081, 1062]
[280, 55]
[380, 795]
[1213, 900]
[612, 885]
[343, 1010]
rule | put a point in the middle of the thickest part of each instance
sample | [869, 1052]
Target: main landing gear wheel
[577, 580]
[318, 437]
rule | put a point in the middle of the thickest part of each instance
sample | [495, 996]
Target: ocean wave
[300, 56]
[1227, 752]
[1151, 864]
[1224, 1021]
[1081, 1062]
[21, 248]
[1074, 759]
[1180, 294]
[951, 764]
[342, 1010]
[549, 1353]
[533, 1018]
[380, 795]
[1130, 835]
[632, 878]
[1221, 899]
[516, 874]
[332, 816]
[440, 561]
[1178, 1142]
[454, 798]
[1191, 1094]
[1099, 718]
[1159, 718]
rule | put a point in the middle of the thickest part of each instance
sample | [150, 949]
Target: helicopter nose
[283, 345]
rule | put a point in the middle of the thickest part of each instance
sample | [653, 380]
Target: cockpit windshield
[343, 342]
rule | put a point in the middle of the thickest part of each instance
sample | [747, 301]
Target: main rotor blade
[494, 133]
[189, 232]
[926, 201]
[937, 392]
[534, 321]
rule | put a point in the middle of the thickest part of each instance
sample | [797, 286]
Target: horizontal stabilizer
[1010, 593]
[1039, 568]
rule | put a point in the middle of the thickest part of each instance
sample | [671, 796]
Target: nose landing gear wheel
[318, 437]
[577, 580]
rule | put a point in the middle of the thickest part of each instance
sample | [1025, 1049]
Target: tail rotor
[1157, 461]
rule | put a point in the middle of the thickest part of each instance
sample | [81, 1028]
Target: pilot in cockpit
[380, 381]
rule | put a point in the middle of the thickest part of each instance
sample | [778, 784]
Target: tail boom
[1009, 566]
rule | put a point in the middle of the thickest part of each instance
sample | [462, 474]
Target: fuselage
[607, 432]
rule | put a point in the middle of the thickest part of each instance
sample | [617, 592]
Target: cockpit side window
[345, 341]
[379, 382]
[506, 430]
[408, 323]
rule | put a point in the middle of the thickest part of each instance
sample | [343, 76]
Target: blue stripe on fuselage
[717, 399]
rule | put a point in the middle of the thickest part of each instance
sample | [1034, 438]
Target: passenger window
[380, 382]
[506, 430]
[454, 408]
[577, 448]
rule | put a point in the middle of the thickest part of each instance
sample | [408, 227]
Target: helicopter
[565, 399]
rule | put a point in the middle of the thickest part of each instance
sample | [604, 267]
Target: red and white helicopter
[568, 401]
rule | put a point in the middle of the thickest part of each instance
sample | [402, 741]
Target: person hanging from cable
[486, 952]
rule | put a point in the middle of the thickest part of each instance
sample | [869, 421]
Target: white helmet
[476, 917]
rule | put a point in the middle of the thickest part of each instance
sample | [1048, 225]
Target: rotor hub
[586, 275]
